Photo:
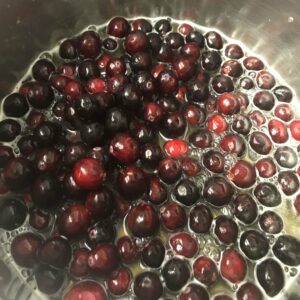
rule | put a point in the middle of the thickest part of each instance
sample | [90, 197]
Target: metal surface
[27, 27]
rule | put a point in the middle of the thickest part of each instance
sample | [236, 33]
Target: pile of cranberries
[148, 160]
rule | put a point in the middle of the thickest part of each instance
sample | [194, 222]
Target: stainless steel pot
[27, 27]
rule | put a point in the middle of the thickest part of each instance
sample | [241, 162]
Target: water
[207, 242]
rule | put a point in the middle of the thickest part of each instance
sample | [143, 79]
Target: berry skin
[176, 148]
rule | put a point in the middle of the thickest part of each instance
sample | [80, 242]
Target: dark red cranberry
[132, 182]
[286, 157]
[241, 124]
[205, 270]
[6, 153]
[47, 133]
[56, 252]
[267, 194]
[176, 273]
[249, 291]
[118, 27]
[184, 66]
[59, 108]
[42, 69]
[233, 144]
[151, 154]
[101, 232]
[173, 216]
[70, 186]
[89, 173]
[194, 115]
[211, 60]
[119, 280]
[89, 44]
[131, 96]
[283, 94]
[245, 208]
[136, 41]
[68, 70]
[260, 143]
[73, 90]
[102, 62]
[186, 192]
[153, 253]
[40, 95]
[105, 101]
[181, 93]
[153, 113]
[184, 244]
[253, 63]
[141, 131]
[265, 80]
[200, 219]
[15, 105]
[127, 250]
[284, 112]
[79, 263]
[88, 69]
[289, 182]
[167, 82]
[278, 131]
[214, 40]
[163, 26]
[18, 173]
[67, 49]
[116, 66]
[226, 230]
[141, 24]
[242, 174]
[214, 161]
[246, 83]
[169, 170]
[59, 82]
[73, 153]
[264, 100]
[97, 85]
[155, 42]
[165, 53]
[157, 191]
[142, 220]
[174, 40]
[47, 159]
[145, 82]
[228, 104]
[24, 249]
[147, 286]
[222, 84]
[9, 130]
[191, 49]
[195, 37]
[257, 118]
[116, 120]
[201, 138]
[103, 258]
[232, 68]
[195, 292]
[190, 167]
[297, 204]
[140, 61]
[48, 279]
[217, 124]
[270, 222]
[39, 219]
[185, 29]
[110, 44]
[266, 167]
[254, 244]
[270, 276]
[234, 51]
[233, 266]
[197, 91]
[84, 289]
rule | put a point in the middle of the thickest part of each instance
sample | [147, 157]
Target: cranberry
[141, 24]
[15, 105]
[89, 44]
[167, 82]
[241, 124]
[200, 219]
[169, 170]
[228, 104]
[24, 249]
[119, 280]
[67, 49]
[233, 266]
[73, 90]
[270, 222]
[176, 273]
[158, 191]
[88, 69]
[173, 216]
[245, 208]
[267, 194]
[195, 292]
[18, 173]
[39, 219]
[47, 159]
[103, 231]
[127, 250]
[185, 67]
[265, 80]
[286, 157]
[174, 40]
[278, 131]
[153, 253]
[157, 69]
[214, 161]
[211, 60]
[94, 86]
[153, 113]
[234, 51]
[118, 27]
[254, 244]
[6, 153]
[217, 124]
[270, 276]
[201, 138]
[186, 192]
[165, 53]
[40, 95]
[136, 41]
[145, 82]
[197, 91]
[233, 144]
[195, 37]
[110, 44]
[242, 174]
[217, 191]
[246, 83]
[190, 167]
[141, 131]
[140, 61]
[264, 100]
[116, 120]
[194, 115]
[289, 182]
[147, 286]
[131, 96]
[79, 263]
[226, 230]
[9, 130]
[253, 63]
[185, 29]
[48, 279]
[84, 290]
[176, 148]
[47, 133]
[151, 154]
[284, 112]
[68, 70]
[232, 68]
[115, 66]
[295, 129]
[222, 84]
[249, 291]
[181, 93]
[257, 118]
[283, 94]
[163, 26]
[266, 167]
[205, 270]
[89, 173]
[191, 49]
[184, 244]
[260, 143]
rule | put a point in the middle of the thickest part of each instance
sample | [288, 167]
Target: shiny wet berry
[173, 216]
[103, 231]
[242, 174]
[226, 230]
[205, 270]
[186, 192]
[127, 250]
[86, 289]
[249, 291]
[267, 194]
[119, 280]
[184, 244]
[194, 291]
[200, 219]
[153, 253]
[15, 105]
[270, 222]
[79, 263]
[245, 208]
[148, 286]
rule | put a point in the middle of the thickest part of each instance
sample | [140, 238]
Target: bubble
[293, 272]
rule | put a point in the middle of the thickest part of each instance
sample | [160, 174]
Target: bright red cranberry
[184, 66]
[118, 27]
[258, 118]
[68, 70]
[184, 244]
[79, 263]
[169, 170]
[89, 44]
[200, 219]
[89, 173]
[190, 166]
[260, 143]
[266, 167]
[74, 221]
[185, 28]
[147, 286]
[39, 219]
[264, 100]
[295, 129]
[217, 124]
[173, 216]
[142, 220]
[195, 292]
[234, 51]
[249, 291]
[15, 105]
[153, 113]
[194, 115]
[228, 104]
[85, 290]
[157, 69]
[201, 138]
[119, 280]
[253, 63]
[226, 230]
[197, 91]
[73, 90]
[242, 174]
[214, 161]
[232, 68]
[67, 49]
[158, 191]
[278, 131]
[56, 252]
[265, 80]
[233, 144]
[103, 61]
[40, 95]
[127, 250]
[176, 148]
[233, 266]
[153, 253]
[96, 85]
[24, 249]
[205, 270]
[136, 41]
